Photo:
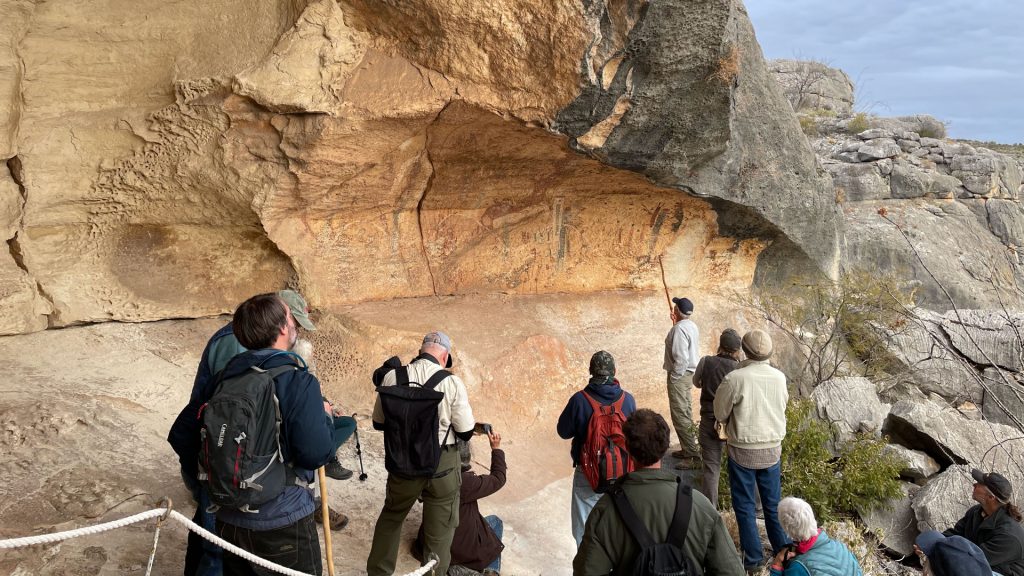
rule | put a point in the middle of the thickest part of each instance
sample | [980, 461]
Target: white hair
[797, 519]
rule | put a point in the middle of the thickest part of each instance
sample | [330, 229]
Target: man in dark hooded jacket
[282, 530]
[574, 422]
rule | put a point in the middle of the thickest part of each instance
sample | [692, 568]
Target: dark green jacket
[999, 536]
[607, 544]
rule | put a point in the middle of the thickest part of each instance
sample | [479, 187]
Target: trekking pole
[325, 511]
[359, 451]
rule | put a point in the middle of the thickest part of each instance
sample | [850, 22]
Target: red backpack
[604, 457]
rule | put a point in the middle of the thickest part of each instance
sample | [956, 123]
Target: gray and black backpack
[240, 459]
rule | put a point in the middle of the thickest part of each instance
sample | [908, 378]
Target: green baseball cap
[300, 310]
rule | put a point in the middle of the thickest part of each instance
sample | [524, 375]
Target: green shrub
[858, 123]
[860, 477]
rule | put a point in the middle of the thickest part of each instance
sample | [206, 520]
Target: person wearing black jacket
[708, 375]
[282, 530]
[994, 524]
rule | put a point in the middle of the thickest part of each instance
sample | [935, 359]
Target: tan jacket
[454, 409]
[752, 402]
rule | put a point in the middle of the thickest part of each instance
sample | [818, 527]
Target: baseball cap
[602, 364]
[300, 310]
[996, 483]
[729, 340]
[441, 339]
[684, 305]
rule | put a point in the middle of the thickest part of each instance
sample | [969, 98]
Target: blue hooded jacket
[575, 418]
[305, 437]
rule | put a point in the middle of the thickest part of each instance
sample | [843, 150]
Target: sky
[961, 61]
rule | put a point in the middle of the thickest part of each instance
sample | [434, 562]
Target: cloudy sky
[961, 61]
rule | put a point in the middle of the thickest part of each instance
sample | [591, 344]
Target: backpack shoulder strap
[594, 404]
[402, 376]
[436, 379]
[629, 518]
[681, 518]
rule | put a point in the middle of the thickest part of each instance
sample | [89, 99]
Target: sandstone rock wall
[173, 159]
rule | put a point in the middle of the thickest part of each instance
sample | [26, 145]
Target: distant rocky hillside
[959, 203]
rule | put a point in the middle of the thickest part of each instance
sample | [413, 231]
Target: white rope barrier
[85, 531]
[159, 512]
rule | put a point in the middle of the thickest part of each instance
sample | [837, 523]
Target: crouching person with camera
[257, 464]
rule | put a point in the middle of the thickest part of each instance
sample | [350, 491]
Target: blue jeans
[497, 526]
[583, 501]
[745, 484]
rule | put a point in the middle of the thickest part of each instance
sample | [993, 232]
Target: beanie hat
[757, 345]
[729, 341]
[602, 364]
[684, 305]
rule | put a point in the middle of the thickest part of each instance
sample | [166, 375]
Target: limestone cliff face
[173, 159]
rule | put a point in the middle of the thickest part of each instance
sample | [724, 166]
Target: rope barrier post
[325, 511]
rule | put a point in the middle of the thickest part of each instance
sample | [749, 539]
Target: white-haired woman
[813, 553]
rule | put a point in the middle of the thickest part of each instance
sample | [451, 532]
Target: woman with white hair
[812, 553]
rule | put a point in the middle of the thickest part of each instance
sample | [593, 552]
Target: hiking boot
[337, 519]
[489, 572]
[679, 454]
[688, 463]
[335, 470]
[458, 570]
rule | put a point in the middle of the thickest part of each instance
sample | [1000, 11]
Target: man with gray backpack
[262, 432]
[421, 408]
[651, 523]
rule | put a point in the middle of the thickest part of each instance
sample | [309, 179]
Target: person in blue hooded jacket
[282, 530]
[573, 424]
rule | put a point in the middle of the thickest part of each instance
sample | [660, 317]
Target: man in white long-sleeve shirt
[681, 356]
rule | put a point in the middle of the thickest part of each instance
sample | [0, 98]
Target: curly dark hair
[1013, 511]
[646, 435]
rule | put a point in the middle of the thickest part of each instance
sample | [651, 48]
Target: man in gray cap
[751, 401]
[993, 524]
[681, 356]
[439, 491]
[603, 389]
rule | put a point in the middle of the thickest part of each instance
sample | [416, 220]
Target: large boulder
[894, 522]
[812, 85]
[1006, 220]
[851, 405]
[944, 500]
[908, 181]
[917, 466]
[857, 182]
[936, 245]
[950, 438]
[987, 174]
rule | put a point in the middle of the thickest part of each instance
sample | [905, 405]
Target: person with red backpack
[599, 458]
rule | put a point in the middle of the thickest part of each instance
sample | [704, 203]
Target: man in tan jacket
[751, 401]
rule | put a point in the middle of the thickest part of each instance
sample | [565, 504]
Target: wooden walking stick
[325, 511]
[671, 307]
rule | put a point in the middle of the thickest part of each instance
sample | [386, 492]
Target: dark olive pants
[440, 516]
